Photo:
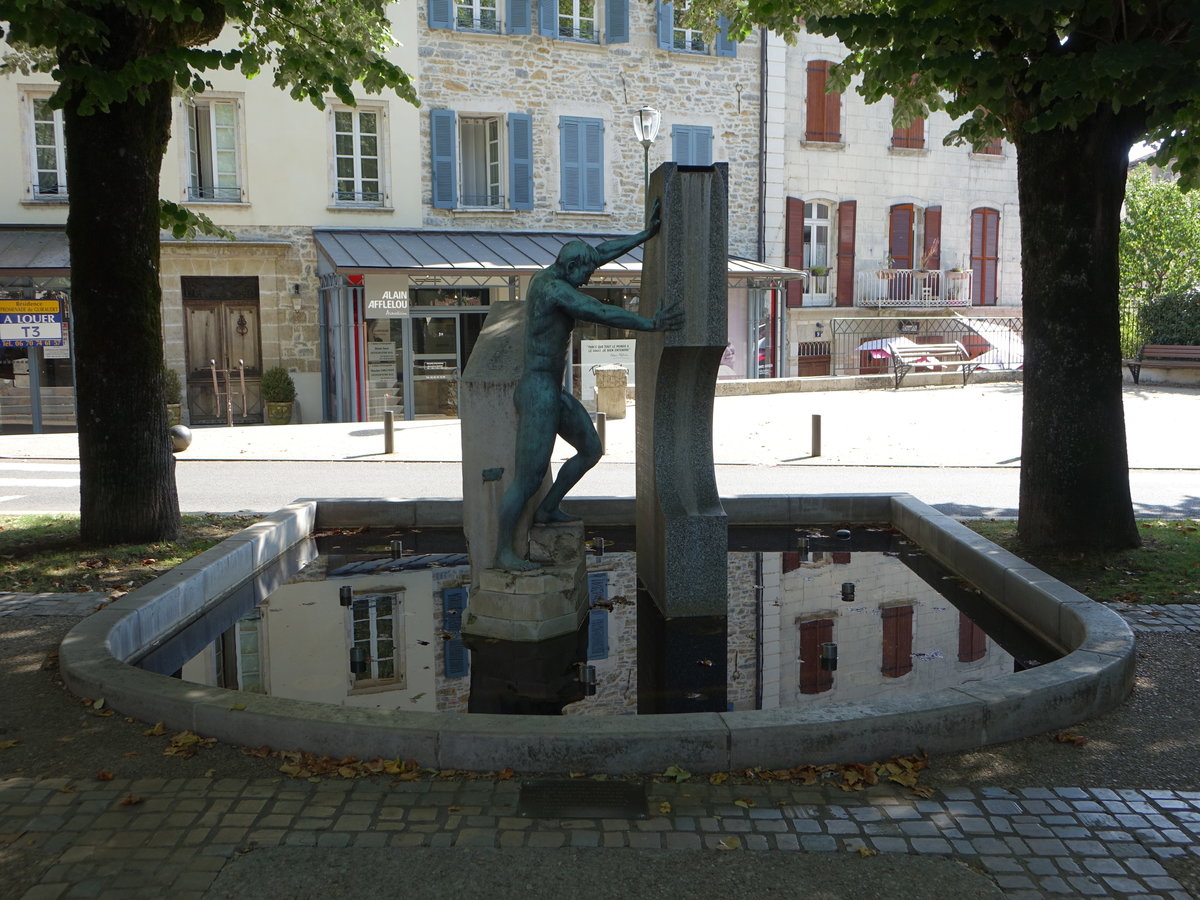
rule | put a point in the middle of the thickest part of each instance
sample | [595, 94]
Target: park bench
[906, 357]
[1163, 356]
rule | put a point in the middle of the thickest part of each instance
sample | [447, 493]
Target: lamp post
[645, 126]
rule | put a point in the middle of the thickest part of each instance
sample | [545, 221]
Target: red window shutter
[931, 250]
[993, 147]
[791, 561]
[847, 213]
[814, 679]
[911, 136]
[794, 248]
[897, 640]
[972, 641]
[900, 235]
[985, 254]
[840, 557]
[823, 118]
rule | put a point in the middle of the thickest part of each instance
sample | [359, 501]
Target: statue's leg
[575, 426]
[535, 442]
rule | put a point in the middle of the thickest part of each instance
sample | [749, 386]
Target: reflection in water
[815, 618]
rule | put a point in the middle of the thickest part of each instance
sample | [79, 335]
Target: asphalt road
[262, 486]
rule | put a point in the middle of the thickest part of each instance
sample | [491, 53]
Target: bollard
[816, 435]
[601, 421]
[389, 437]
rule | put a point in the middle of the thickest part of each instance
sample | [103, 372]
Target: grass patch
[43, 553]
[1165, 569]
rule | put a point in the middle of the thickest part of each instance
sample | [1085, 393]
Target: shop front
[37, 376]
[401, 311]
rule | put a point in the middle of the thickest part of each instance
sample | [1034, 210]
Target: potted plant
[173, 392]
[278, 393]
[818, 271]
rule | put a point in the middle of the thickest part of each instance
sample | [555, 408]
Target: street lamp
[645, 126]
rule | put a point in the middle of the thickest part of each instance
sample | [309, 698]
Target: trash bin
[610, 390]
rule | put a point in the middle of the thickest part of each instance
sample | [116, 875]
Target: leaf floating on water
[744, 802]
[105, 775]
[718, 778]
[158, 730]
[665, 807]
[130, 800]
[864, 851]
[5, 745]
[729, 843]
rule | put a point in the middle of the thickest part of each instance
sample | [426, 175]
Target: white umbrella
[886, 344]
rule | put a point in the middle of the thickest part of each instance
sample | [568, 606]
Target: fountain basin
[1094, 675]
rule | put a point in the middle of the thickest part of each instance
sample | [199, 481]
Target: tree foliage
[117, 63]
[1160, 239]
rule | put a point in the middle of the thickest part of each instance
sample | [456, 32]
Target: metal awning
[34, 251]
[490, 253]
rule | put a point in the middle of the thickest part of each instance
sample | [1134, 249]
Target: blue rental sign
[30, 323]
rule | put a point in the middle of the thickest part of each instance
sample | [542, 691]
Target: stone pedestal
[611, 382]
[537, 605]
[682, 532]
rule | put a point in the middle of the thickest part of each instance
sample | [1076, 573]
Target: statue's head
[576, 262]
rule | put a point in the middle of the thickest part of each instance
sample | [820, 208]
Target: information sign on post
[30, 323]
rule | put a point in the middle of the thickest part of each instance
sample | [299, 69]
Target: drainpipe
[762, 146]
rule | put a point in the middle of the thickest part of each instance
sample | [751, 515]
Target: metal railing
[913, 288]
[860, 346]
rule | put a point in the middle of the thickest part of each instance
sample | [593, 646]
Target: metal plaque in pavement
[580, 798]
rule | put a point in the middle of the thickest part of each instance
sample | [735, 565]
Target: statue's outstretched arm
[618, 247]
[589, 309]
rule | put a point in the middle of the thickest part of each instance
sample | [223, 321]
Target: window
[486, 16]
[577, 19]
[581, 163]
[692, 145]
[985, 254]
[909, 137]
[675, 35]
[813, 678]
[580, 20]
[374, 639]
[47, 149]
[213, 171]
[972, 641]
[476, 165]
[823, 112]
[992, 148]
[808, 227]
[476, 15]
[897, 640]
[357, 157]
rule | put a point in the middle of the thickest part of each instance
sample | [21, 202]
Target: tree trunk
[127, 471]
[1074, 462]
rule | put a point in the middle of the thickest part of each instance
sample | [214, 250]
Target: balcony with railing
[913, 288]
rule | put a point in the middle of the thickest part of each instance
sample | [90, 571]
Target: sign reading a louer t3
[386, 296]
[30, 323]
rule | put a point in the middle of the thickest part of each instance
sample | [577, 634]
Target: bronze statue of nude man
[544, 408]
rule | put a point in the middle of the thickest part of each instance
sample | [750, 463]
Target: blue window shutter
[666, 24]
[681, 144]
[593, 164]
[520, 17]
[725, 47]
[520, 161]
[454, 602]
[441, 150]
[597, 634]
[616, 21]
[548, 18]
[455, 658]
[570, 162]
[597, 583]
[701, 146]
[441, 13]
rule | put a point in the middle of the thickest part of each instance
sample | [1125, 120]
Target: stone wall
[547, 78]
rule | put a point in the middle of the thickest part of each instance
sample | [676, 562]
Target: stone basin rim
[1095, 675]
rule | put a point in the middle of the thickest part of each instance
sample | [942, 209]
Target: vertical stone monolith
[682, 531]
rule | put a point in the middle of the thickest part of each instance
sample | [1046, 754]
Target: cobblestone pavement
[156, 837]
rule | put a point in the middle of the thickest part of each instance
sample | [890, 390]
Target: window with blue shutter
[441, 13]
[520, 161]
[725, 47]
[597, 634]
[597, 583]
[692, 145]
[616, 21]
[581, 163]
[456, 659]
[520, 16]
[441, 149]
[666, 23]
[548, 18]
